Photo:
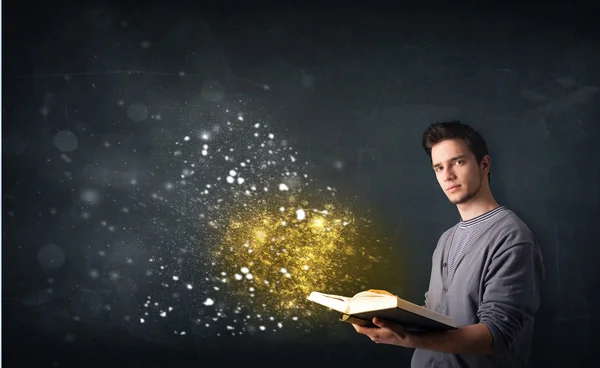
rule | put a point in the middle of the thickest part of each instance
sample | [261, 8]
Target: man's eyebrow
[452, 159]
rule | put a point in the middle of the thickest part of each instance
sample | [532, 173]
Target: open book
[364, 306]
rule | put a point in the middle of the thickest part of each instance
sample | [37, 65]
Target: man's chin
[461, 199]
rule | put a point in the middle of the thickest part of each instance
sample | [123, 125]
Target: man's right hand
[380, 292]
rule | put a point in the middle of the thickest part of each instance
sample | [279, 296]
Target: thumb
[379, 322]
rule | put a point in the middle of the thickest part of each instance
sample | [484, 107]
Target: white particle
[189, 286]
[300, 215]
[251, 289]
[281, 209]
[245, 270]
[175, 278]
[293, 158]
[240, 180]
[142, 320]
[305, 267]
[271, 136]
[186, 138]
[256, 125]
[283, 223]
[230, 179]
[209, 301]
[283, 270]
[279, 324]
[238, 276]
[232, 173]
[262, 328]
[249, 276]
[163, 313]
[204, 153]
[283, 187]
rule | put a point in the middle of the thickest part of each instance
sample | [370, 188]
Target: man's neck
[477, 206]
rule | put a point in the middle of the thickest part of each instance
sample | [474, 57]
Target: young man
[487, 270]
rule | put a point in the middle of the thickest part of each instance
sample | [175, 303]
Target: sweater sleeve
[511, 295]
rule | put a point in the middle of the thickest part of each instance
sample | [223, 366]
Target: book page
[369, 294]
[335, 302]
[345, 299]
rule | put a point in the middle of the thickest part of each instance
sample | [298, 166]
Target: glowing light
[279, 246]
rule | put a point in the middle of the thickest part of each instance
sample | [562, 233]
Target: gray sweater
[487, 270]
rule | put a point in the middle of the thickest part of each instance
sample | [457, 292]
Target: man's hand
[471, 339]
[383, 292]
[386, 332]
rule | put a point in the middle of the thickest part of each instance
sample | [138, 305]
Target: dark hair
[438, 132]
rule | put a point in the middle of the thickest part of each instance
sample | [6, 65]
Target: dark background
[353, 87]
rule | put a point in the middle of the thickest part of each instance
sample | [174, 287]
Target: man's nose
[449, 175]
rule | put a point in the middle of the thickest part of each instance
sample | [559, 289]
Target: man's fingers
[393, 327]
[360, 329]
[384, 292]
[364, 330]
[379, 322]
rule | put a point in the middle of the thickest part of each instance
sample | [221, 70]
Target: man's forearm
[472, 339]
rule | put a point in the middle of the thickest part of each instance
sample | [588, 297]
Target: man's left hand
[388, 333]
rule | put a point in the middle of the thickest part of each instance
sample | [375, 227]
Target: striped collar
[482, 217]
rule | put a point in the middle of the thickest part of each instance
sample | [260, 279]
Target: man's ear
[485, 163]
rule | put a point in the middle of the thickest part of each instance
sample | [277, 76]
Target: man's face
[457, 170]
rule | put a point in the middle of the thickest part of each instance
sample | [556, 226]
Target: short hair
[438, 132]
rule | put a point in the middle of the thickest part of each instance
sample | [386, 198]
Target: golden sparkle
[273, 256]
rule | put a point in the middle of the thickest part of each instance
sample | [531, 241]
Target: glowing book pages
[363, 307]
